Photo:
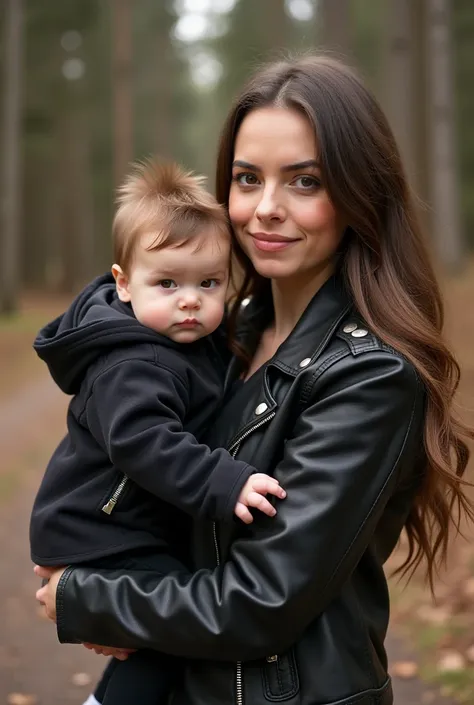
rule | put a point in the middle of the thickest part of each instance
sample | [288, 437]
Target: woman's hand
[46, 595]
[120, 654]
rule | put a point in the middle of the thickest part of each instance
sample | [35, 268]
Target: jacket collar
[321, 318]
[328, 307]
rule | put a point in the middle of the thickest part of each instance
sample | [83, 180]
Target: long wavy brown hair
[385, 264]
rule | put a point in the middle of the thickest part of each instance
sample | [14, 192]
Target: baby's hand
[253, 495]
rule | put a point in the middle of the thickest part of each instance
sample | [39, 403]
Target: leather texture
[294, 608]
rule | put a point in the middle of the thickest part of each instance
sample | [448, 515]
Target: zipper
[238, 683]
[238, 672]
[233, 450]
[109, 506]
[216, 545]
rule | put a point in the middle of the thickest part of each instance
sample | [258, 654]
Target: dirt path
[31, 661]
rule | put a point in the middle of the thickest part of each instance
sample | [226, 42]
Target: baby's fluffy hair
[163, 200]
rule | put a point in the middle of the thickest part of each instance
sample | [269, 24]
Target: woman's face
[281, 214]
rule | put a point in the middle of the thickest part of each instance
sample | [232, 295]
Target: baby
[142, 354]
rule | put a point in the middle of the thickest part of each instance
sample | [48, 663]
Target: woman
[341, 387]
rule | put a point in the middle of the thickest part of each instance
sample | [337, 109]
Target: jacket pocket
[374, 696]
[280, 677]
[114, 495]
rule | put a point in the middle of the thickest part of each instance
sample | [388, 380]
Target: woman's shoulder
[356, 355]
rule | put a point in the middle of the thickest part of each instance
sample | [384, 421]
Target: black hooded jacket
[130, 464]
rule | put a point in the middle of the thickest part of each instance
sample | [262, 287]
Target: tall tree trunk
[159, 70]
[76, 221]
[404, 92]
[336, 25]
[122, 86]
[9, 259]
[443, 167]
[401, 81]
[274, 26]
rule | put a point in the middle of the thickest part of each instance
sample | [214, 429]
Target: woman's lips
[271, 242]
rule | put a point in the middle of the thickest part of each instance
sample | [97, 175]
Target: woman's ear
[122, 284]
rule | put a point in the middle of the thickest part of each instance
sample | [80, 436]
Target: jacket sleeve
[339, 470]
[136, 412]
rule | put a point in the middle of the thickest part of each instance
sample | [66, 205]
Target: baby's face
[180, 291]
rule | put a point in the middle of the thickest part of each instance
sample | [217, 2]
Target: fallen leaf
[404, 669]
[433, 615]
[81, 679]
[21, 699]
[446, 691]
[428, 697]
[468, 587]
[451, 661]
[470, 654]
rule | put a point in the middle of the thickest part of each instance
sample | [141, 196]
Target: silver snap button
[349, 327]
[305, 362]
[359, 333]
[261, 408]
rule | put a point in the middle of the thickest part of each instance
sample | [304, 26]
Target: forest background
[87, 86]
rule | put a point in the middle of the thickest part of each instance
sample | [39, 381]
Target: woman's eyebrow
[302, 165]
[245, 165]
[288, 167]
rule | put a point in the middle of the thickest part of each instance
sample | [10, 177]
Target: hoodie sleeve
[136, 412]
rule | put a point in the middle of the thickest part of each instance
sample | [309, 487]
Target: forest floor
[431, 647]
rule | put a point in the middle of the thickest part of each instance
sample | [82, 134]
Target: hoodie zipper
[233, 450]
[109, 506]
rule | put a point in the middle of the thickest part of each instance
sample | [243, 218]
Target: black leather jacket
[292, 609]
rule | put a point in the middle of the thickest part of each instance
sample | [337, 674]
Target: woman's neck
[291, 297]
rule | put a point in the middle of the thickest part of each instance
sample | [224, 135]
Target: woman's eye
[307, 183]
[246, 178]
[209, 283]
[167, 284]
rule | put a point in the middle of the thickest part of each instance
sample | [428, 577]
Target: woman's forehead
[277, 133]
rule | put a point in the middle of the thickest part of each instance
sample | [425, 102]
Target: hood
[96, 322]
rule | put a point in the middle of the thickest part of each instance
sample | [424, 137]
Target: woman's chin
[274, 270]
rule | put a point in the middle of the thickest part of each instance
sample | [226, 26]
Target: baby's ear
[121, 282]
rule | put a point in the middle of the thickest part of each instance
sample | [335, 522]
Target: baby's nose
[190, 301]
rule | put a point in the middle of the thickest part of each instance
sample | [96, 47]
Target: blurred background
[90, 85]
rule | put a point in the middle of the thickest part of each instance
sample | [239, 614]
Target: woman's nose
[270, 206]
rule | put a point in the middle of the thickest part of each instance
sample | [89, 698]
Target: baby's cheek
[214, 316]
[156, 318]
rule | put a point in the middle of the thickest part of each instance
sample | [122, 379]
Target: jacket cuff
[63, 636]
[233, 496]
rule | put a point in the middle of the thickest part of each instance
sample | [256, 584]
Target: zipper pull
[272, 659]
[109, 507]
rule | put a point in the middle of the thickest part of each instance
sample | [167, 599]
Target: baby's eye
[246, 178]
[167, 284]
[210, 283]
[307, 183]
